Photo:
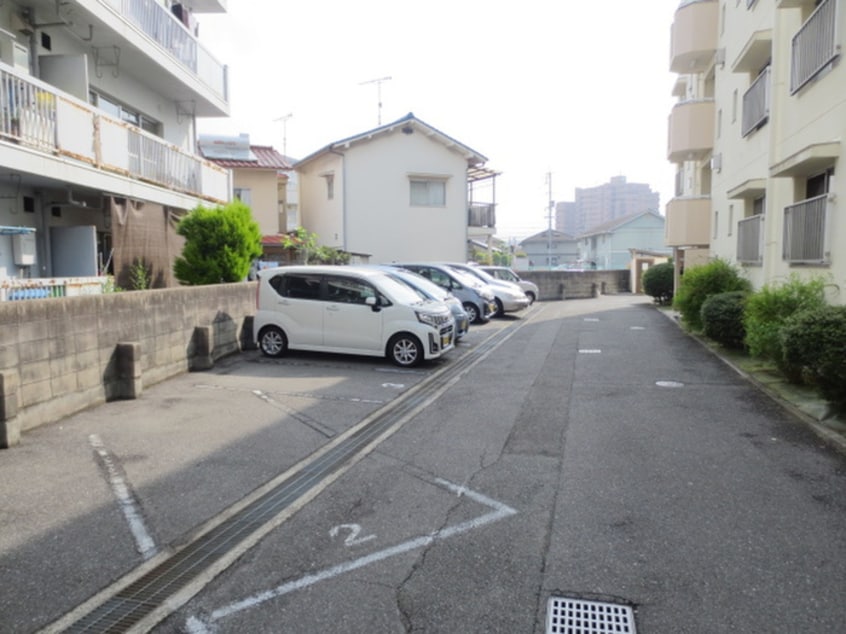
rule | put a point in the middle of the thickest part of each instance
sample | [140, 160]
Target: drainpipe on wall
[343, 198]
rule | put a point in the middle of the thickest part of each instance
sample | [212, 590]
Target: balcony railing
[814, 46]
[750, 240]
[756, 103]
[34, 114]
[172, 35]
[481, 215]
[805, 226]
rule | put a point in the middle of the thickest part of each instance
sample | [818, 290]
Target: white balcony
[35, 116]
[146, 40]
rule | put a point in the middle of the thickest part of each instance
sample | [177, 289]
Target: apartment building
[98, 143]
[595, 206]
[756, 137]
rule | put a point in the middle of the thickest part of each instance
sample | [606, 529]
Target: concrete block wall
[578, 284]
[59, 356]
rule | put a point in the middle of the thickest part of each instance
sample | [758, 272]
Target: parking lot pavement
[540, 454]
[92, 496]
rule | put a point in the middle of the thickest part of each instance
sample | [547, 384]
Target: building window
[716, 223]
[428, 192]
[758, 206]
[330, 186]
[124, 113]
[731, 218]
[734, 106]
[243, 194]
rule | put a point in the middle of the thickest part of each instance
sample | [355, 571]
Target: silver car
[510, 298]
[508, 275]
[432, 291]
[477, 298]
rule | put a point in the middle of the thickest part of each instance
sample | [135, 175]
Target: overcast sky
[580, 90]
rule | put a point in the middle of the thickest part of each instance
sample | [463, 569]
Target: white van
[348, 310]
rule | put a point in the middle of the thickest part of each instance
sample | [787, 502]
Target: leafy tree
[220, 244]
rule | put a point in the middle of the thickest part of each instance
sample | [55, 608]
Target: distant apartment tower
[594, 206]
[756, 137]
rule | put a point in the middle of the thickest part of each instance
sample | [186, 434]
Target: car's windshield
[399, 291]
[432, 290]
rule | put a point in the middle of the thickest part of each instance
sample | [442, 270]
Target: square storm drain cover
[578, 616]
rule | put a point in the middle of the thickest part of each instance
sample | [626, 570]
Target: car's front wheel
[405, 350]
[272, 341]
[531, 297]
[472, 312]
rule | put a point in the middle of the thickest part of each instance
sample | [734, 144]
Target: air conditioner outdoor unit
[716, 162]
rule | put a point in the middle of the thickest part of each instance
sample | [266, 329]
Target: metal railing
[17, 289]
[756, 103]
[34, 114]
[814, 46]
[750, 240]
[172, 35]
[805, 223]
[481, 215]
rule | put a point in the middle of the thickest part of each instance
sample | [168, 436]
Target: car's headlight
[432, 319]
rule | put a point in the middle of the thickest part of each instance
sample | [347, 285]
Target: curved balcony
[688, 222]
[691, 131]
[693, 36]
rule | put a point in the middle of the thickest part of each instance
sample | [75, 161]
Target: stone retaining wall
[578, 284]
[59, 356]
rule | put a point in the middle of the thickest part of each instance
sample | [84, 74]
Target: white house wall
[380, 218]
[320, 215]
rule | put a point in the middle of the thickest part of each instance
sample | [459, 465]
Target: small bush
[658, 283]
[699, 283]
[814, 349]
[722, 318]
[767, 309]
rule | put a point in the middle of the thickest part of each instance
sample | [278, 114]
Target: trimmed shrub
[814, 348]
[658, 283]
[699, 283]
[220, 244]
[767, 309]
[722, 318]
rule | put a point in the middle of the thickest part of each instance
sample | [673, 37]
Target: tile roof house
[549, 249]
[398, 192]
[259, 177]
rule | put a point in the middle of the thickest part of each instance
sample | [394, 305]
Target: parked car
[477, 298]
[506, 274]
[348, 310]
[510, 298]
[430, 290]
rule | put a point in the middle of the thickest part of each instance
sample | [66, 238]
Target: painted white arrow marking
[500, 511]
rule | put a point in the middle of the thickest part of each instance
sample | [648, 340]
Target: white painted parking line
[317, 426]
[129, 504]
[195, 625]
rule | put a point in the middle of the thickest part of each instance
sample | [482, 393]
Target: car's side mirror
[373, 302]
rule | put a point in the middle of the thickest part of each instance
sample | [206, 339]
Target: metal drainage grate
[578, 616]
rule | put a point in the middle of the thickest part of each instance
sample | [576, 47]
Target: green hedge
[658, 283]
[722, 318]
[814, 350]
[699, 283]
[769, 308]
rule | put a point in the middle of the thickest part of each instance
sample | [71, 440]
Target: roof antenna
[378, 83]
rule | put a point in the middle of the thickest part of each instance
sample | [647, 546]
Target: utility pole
[549, 220]
[378, 83]
[284, 120]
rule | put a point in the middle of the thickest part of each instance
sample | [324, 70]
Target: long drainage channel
[127, 608]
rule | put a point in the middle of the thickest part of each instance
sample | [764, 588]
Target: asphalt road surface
[583, 453]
